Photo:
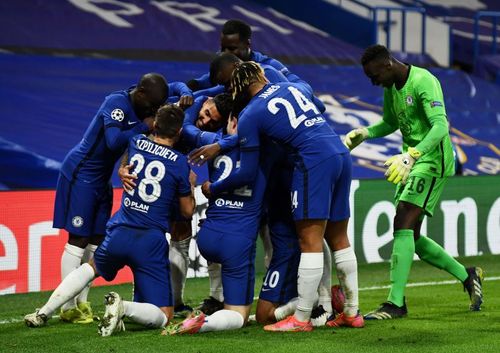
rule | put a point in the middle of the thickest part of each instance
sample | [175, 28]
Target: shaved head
[151, 92]
[154, 84]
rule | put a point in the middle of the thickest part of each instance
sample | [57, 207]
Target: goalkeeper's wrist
[414, 153]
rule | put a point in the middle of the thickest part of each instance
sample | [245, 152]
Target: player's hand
[399, 166]
[205, 153]
[149, 122]
[186, 101]
[192, 178]
[126, 177]
[205, 189]
[355, 137]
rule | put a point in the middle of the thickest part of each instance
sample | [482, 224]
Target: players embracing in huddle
[274, 161]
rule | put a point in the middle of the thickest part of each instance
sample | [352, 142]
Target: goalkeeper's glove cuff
[414, 153]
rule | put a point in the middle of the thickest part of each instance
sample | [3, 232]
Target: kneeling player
[136, 234]
[228, 237]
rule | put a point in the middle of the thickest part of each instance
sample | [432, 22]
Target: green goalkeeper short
[421, 190]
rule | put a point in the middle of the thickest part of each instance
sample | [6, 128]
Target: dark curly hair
[375, 52]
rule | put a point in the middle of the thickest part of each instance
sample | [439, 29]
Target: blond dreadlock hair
[244, 74]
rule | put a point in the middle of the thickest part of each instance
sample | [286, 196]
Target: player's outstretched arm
[355, 137]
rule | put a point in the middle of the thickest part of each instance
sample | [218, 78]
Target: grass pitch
[438, 321]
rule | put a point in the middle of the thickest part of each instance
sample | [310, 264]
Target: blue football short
[236, 254]
[145, 251]
[322, 192]
[82, 209]
[280, 281]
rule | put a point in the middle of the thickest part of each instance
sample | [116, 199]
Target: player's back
[163, 176]
[91, 160]
[286, 114]
[239, 210]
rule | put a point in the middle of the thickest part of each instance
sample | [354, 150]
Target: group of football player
[275, 167]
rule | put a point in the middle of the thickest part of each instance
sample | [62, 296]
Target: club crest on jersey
[117, 114]
[409, 100]
[77, 221]
[436, 104]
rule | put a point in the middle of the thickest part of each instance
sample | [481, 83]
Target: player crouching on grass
[136, 234]
[414, 104]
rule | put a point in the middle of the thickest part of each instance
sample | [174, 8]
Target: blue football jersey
[285, 113]
[163, 176]
[92, 160]
[239, 210]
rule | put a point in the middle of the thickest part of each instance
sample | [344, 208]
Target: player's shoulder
[138, 137]
[421, 75]
[267, 60]
[117, 102]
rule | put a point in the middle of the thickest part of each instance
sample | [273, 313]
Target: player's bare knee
[78, 241]
[407, 216]
[181, 230]
[96, 239]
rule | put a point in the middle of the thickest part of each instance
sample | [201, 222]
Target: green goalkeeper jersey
[415, 109]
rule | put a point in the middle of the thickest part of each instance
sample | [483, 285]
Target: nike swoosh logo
[132, 122]
[265, 289]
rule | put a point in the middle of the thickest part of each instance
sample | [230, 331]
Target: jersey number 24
[304, 104]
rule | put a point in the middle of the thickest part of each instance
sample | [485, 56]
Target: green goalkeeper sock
[401, 259]
[432, 253]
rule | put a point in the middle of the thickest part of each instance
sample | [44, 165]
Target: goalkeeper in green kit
[414, 104]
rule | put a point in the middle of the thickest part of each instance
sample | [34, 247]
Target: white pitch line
[422, 284]
[416, 284]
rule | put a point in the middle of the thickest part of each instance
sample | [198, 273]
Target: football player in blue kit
[209, 115]
[232, 219]
[321, 181]
[135, 235]
[84, 194]
[235, 38]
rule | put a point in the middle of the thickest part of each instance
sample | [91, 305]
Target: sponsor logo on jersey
[409, 100]
[436, 104]
[314, 121]
[117, 114]
[136, 206]
[77, 221]
[229, 203]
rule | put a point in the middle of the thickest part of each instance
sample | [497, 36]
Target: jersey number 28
[149, 178]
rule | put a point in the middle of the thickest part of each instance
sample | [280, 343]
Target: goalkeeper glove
[399, 166]
[355, 137]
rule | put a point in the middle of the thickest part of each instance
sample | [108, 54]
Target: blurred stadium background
[58, 59]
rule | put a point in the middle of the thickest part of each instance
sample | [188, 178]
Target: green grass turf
[438, 321]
